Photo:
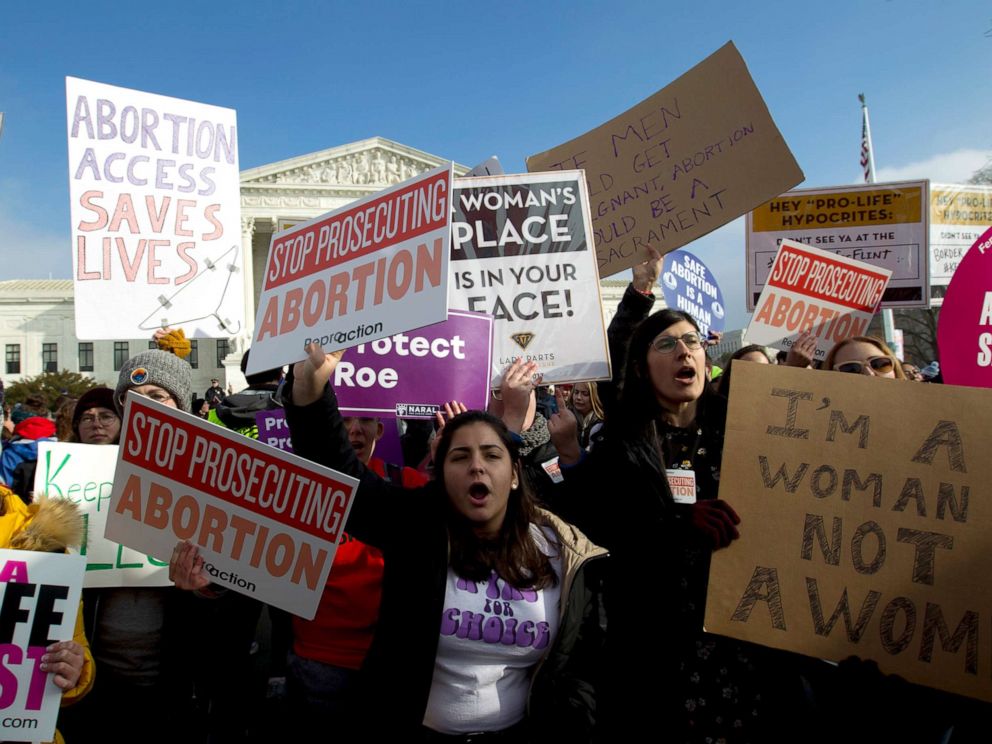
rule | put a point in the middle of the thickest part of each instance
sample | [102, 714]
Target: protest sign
[689, 286]
[958, 215]
[84, 474]
[267, 522]
[413, 375]
[273, 429]
[882, 224]
[155, 204]
[864, 530]
[685, 161]
[520, 251]
[375, 267]
[38, 607]
[809, 289]
[964, 331]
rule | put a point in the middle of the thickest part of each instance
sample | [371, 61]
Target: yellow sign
[840, 209]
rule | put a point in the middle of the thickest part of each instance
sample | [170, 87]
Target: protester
[64, 407]
[585, 404]
[475, 527]
[95, 420]
[18, 461]
[238, 410]
[864, 355]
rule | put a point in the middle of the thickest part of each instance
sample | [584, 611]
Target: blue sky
[509, 78]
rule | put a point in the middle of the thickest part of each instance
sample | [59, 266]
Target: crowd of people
[526, 575]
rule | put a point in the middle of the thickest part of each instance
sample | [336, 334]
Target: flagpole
[868, 166]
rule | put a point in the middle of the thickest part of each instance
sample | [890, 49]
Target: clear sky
[468, 80]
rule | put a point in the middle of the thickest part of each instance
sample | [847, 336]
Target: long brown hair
[513, 554]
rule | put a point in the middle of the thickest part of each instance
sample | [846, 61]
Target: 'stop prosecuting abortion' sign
[268, 523]
[333, 279]
[685, 161]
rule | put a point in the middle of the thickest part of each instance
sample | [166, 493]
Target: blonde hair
[597, 404]
[878, 343]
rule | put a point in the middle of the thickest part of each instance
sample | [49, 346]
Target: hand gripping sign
[267, 522]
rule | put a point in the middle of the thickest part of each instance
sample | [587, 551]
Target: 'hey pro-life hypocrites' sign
[371, 269]
[267, 523]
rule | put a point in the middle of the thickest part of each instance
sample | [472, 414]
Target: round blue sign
[688, 285]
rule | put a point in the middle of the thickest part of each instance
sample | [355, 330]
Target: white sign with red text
[155, 204]
[818, 291]
[266, 522]
[374, 268]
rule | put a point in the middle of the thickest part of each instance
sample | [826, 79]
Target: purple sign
[413, 374]
[273, 429]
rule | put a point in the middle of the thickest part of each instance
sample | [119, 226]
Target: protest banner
[267, 523]
[809, 289]
[84, 474]
[679, 164]
[373, 268]
[864, 530]
[39, 601]
[155, 204]
[689, 286]
[958, 215]
[400, 375]
[882, 224]
[521, 251]
[964, 331]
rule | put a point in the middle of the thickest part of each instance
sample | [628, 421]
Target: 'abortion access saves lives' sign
[521, 251]
[155, 204]
[376, 267]
[267, 523]
[812, 290]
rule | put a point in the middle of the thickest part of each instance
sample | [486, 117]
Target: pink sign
[965, 330]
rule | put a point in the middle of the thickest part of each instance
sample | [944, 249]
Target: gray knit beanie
[156, 367]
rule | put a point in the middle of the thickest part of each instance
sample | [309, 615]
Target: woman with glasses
[864, 355]
[666, 427]
[95, 420]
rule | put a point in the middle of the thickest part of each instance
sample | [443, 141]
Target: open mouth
[477, 493]
[686, 374]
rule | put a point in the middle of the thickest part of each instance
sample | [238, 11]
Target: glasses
[159, 396]
[105, 419]
[666, 344]
[880, 364]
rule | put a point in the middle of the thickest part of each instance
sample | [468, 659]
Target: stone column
[248, 278]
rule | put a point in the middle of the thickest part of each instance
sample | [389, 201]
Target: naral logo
[416, 409]
[523, 339]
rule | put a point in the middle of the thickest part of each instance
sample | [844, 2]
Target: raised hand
[647, 272]
[564, 430]
[312, 374]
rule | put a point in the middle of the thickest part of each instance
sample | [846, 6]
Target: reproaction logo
[229, 577]
[342, 337]
[416, 409]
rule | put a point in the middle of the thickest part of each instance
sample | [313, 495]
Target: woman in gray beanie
[159, 375]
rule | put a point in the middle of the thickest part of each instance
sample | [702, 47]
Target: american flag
[867, 158]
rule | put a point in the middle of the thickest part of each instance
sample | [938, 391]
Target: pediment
[372, 163]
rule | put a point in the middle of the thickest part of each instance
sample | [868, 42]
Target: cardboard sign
[882, 224]
[813, 290]
[84, 474]
[689, 286]
[685, 161]
[958, 215]
[39, 600]
[864, 525]
[964, 331]
[155, 203]
[373, 268]
[267, 523]
[412, 375]
[520, 251]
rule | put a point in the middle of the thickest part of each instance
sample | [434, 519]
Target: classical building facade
[37, 326]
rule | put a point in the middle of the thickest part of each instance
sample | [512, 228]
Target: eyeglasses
[88, 419]
[666, 344]
[159, 396]
[880, 364]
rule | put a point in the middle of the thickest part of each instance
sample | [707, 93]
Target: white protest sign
[882, 224]
[958, 216]
[377, 267]
[84, 474]
[521, 250]
[818, 291]
[39, 604]
[267, 523]
[155, 204]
